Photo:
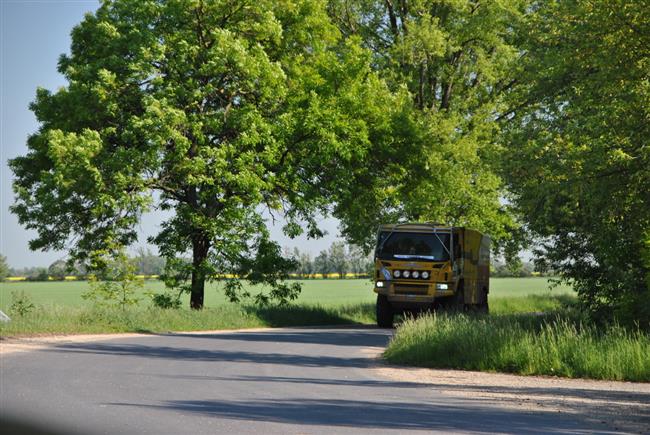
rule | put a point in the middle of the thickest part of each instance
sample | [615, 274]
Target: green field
[329, 292]
[59, 307]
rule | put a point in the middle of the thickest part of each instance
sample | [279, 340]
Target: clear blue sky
[34, 33]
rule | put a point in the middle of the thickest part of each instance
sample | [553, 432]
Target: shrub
[119, 284]
[21, 303]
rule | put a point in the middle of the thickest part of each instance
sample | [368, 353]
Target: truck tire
[384, 312]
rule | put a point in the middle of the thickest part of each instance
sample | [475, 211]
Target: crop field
[58, 307]
[330, 292]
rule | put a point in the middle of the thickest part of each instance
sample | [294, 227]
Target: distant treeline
[339, 261]
[146, 263]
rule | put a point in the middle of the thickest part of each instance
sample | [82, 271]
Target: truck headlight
[442, 286]
[407, 274]
[397, 273]
[425, 275]
[416, 274]
[380, 283]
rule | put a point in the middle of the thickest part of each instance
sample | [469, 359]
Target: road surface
[294, 381]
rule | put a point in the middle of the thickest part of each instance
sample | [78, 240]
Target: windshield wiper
[443, 245]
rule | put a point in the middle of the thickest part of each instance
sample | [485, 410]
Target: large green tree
[213, 110]
[578, 157]
[453, 61]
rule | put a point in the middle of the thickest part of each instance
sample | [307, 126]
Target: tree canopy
[213, 110]
[453, 61]
[512, 117]
[576, 154]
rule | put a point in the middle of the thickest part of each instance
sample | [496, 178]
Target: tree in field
[338, 258]
[577, 156]
[58, 270]
[212, 110]
[359, 262]
[4, 267]
[322, 263]
[434, 161]
[305, 264]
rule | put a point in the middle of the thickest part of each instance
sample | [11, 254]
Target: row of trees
[144, 263]
[339, 258]
[372, 111]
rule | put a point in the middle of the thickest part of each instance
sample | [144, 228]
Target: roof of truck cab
[411, 227]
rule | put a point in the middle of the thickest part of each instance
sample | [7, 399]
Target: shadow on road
[362, 414]
[457, 406]
[369, 383]
[185, 347]
[358, 336]
[187, 354]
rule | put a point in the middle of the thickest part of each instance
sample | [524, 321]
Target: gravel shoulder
[618, 406]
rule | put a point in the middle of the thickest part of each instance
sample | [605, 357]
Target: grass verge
[551, 344]
[89, 320]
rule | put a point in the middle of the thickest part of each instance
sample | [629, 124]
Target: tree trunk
[200, 248]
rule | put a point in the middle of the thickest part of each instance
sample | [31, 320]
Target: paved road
[276, 381]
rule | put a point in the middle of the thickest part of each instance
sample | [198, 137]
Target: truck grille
[411, 289]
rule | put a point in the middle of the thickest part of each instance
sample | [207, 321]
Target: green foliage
[116, 284]
[529, 345]
[147, 263]
[21, 303]
[267, 269]
[516, 268]
[58, 270]
[218, 108]
[165, 301]
[4, 267]
[38, 274]
[448, 65]
[577, 157]
[176, 274]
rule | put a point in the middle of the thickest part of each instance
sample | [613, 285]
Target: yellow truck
[422, 266]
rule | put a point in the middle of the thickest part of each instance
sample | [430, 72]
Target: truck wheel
[384, 312]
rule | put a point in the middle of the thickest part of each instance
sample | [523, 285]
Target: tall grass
[88, 320]
[524, 344]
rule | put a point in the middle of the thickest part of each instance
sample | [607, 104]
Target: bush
[21, 303]
[119, 283]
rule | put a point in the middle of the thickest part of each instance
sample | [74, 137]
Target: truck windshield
[412, 246]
